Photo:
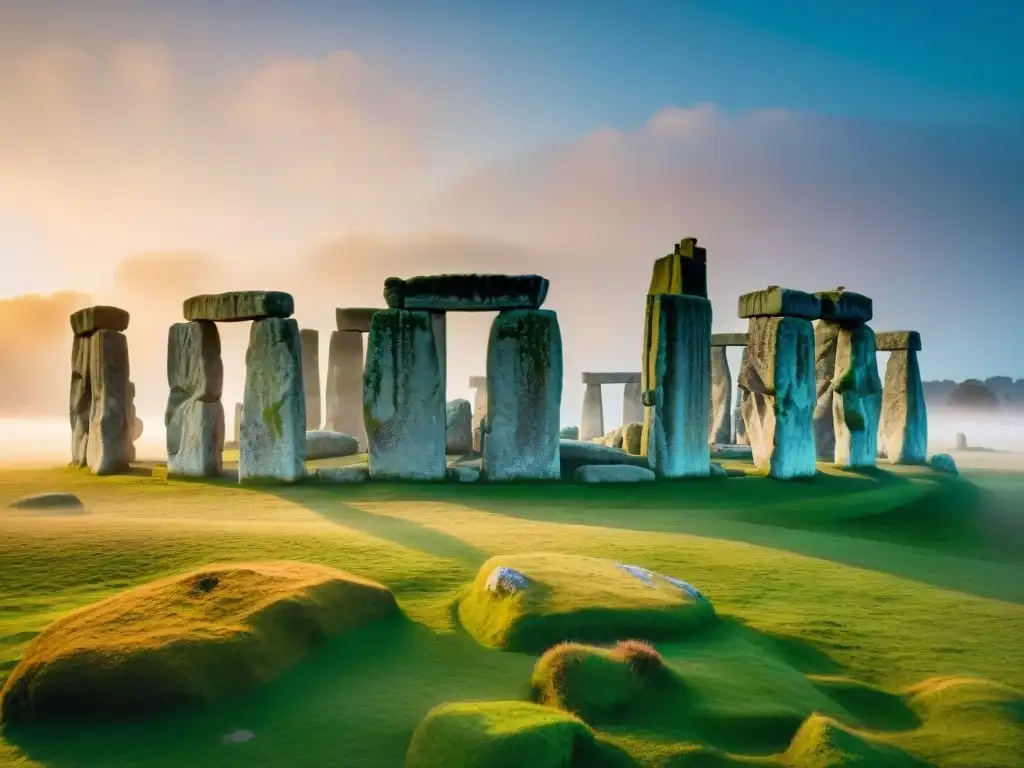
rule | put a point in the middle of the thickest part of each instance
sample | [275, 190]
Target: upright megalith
[633, 401]
[310, 339]
[81, 400]
[524, 396]
[458, 426]
[684, 271]
[345, 385]
[195, 414]
[777, 380]
[592, 418]
[109, 430]
[720, 427]
[479, 384]
[439, 321]
[403, 398]
[466, 293]
[238, 424]
[677, 385]
[848, 389]
[741, 437]
[134, 423]
[903, 432]
[273, 439]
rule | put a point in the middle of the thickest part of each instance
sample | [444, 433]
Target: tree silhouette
[973, 394]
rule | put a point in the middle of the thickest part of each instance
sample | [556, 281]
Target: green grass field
[868, 619]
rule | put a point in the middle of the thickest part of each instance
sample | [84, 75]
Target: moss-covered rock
[212, 632]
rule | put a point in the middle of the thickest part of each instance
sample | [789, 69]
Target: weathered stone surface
[576, 453]
[354, 318]
[99, 318]
[108, 417]
[132, 417]
[524, 396]
[354, 473]
[194, 417]
[720, 428]
[728, 340]
[891, 341]
[324, 444]
[677, 374]
[717, 470]
[845, 307]
[273, 439]
[238, 424]
[780, 302]
[632, 403]
[403, 398]
[826, 339]
[310, 340]
[613, 439]
[777, 380]
[439, 321]
[684, 271]
[479, 383]
[611, 378]
[613, 473]
[80, 400]
[463, 474]
[632, 437]
[592, 417]
[943, 462]
[53, 500]
[858, 398]
[466, 293]
[903, 432]
[345, 385]
[458, 426]
[138, 427]
[739, 436]
[237, 306]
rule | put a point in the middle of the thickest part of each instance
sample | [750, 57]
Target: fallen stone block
[845, 307]
[466, 293]
[613, 473]
[238, 306]
[80, 400]
[728, 340]
[324, 444]
[524, 396]
[52, 500]
[403, 398]
[108, 417]
[774, 301]
[354, 318]
[576, 453]
[194, 417]
[458, 427]
[892, 341]
[273, 439]
[684, 271]
[87, 321]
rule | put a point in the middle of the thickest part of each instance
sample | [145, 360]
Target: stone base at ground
[613, 473]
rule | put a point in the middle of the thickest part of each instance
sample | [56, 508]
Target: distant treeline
[994, 392]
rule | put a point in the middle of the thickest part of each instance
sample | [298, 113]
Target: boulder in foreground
[212, 632]
[53, 500]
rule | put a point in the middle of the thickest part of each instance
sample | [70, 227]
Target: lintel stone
[728, 339]
[354, 318]
[845, 307]
[99, 318]
[466, 293]
[611, 378]
[477, 382]
[774, 301]
[892, 341]
[239, 306]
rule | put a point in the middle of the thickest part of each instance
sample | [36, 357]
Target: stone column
[403, 397]
[904, 424]
[439, 323]
[524, 396]
[632, 403]
[777, 380]
[720, 429]
[195, 414]
[826, 338]
[677, 381]
[345, 385]
[737, 417]
[81, 400]
[238, 424]
[592, 421]
[857, 403]
[310, 339]
[273, 439]
[109, 430]
[479, 384]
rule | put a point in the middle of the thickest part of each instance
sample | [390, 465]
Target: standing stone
[904, 423]
[961, 441]
[238, 424]
[403, 398]
[737, 417]
[720, 430]
[777, 380]
[273, 439]
[479, 384]
[458, 424]
[345, 385]
[109, 431]
[826, 339]
[632, 402]
[524, 396]
[132, 420]
[195, 414]
[858, 398]
[592, 421]
[439, 323]
[81, 400]
[311, 375]
[677, 383]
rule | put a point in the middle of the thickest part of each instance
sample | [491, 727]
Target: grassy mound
[598, 683]
[496, 734]
[823, 742]
[193, 637]
[576, 598]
